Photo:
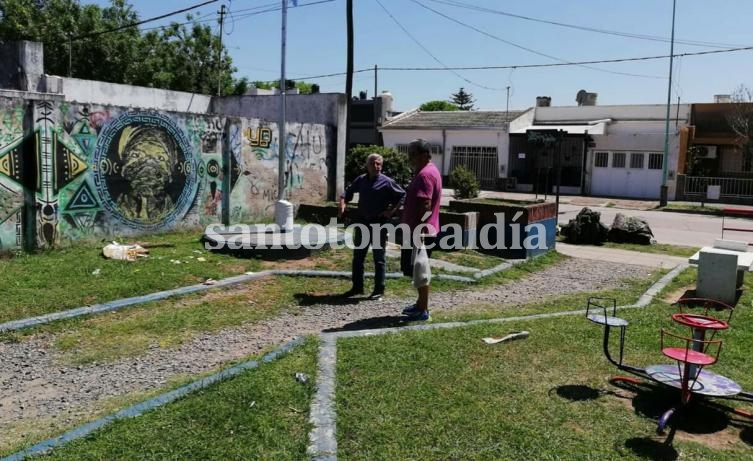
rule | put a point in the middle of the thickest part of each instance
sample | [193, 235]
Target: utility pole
[663, 191]
[375, 81]
[349, 70]
[219, 52]
[281, 154]
[507, 109]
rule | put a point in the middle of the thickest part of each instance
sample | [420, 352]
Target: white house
[476, 139]
[613, 150]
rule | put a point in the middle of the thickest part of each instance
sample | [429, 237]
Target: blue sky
[316, 45]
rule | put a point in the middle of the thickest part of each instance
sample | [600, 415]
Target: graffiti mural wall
[96, 171]
[12, 114]
[254, 163]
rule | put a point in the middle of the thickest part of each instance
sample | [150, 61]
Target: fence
[695, 187]
[482, 161]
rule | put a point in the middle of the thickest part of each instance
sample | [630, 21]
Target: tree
[464, 183]
[177, 57]
[433, 106]
[395, 164]
[463, 100]
[740, 120]
[302, 87]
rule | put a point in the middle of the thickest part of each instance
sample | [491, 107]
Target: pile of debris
[586, 228]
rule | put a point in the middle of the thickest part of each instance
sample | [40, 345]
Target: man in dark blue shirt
[379, 197]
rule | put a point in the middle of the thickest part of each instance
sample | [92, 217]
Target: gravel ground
[34, 384]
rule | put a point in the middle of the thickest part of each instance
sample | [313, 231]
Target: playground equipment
[692, 353]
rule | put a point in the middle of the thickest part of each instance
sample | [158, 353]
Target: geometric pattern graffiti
[85, 137]
[213, 168]
[83, 199]
[68, 165]
[144, 170]
[11, 160]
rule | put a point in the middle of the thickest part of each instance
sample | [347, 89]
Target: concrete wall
[70, 171]
[95, 92]
[450, 138]
[84, 159]
[322, 108]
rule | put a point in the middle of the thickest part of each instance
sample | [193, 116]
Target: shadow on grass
[651, 449]
[577, 392]
[306, 299]
[746, 435]
[374, 323]
[652, 400]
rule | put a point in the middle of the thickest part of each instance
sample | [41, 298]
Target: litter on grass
[116, 250]
[511, 337]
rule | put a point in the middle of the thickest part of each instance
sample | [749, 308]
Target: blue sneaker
[420, 316]
[411, 310]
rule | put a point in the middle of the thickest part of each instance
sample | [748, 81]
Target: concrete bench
[721, 269]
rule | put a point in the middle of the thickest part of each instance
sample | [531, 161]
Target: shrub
[395, 164]
[465, 183]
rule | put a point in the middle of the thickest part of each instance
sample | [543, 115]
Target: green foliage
[433, 106]
[395, 164]
[695, 163]
[465, 183]
[463, 100]
[176, 57]
[303, 87]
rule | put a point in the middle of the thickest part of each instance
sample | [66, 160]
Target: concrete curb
[151, 404]
[323, 413]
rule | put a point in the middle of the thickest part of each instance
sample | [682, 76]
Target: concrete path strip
[620, 256]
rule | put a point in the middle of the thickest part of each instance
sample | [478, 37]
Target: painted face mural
[146, 169]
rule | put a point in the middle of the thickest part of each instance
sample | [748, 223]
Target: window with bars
[636, 161]
[655, 161]
[601, 159]
[618, 160]
[481, 160]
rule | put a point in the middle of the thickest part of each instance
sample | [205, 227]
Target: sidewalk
[620, 256]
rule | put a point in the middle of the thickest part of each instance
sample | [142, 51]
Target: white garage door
[626, 174]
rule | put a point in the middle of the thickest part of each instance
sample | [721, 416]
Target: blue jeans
[359, 255]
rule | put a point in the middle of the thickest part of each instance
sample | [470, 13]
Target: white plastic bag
[421, 268]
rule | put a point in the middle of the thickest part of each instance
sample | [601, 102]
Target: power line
[530, 50]
[525, 66]
[117, 29]
[585, 28]
[429, 52]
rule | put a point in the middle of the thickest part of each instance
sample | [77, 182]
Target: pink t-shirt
[426, 184]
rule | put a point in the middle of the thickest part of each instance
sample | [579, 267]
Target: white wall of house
[450, 138]
[634, 133]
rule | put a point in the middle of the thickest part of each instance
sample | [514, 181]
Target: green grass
[261, 414]
[35, 284]
[708, 209]
[658, 248]
[444, 394]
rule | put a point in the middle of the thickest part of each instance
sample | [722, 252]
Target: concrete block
[733, 245]
[717, 276]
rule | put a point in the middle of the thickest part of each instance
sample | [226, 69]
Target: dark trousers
[359, 254]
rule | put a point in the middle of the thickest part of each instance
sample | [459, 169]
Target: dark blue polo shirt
[374, 195]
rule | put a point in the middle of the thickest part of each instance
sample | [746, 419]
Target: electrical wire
[584, 28]
[530, 66]
[430, 53]
[530, 50]
[145, 21]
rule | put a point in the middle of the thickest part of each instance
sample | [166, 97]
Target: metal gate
[481, 161]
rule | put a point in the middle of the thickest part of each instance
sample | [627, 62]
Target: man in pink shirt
[421, 214]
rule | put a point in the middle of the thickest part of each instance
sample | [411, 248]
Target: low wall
[70, 171]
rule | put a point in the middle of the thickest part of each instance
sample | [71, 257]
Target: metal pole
[375, 81]
[663, 191]
[219, 53]
[560, 135]
[507, 108]
[281, 128]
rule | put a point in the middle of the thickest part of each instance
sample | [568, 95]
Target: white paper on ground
[512, 336]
